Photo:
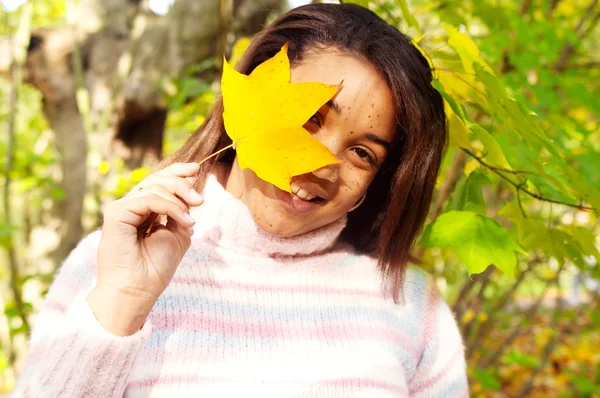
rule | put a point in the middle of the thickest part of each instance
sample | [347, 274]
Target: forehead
[364, 97]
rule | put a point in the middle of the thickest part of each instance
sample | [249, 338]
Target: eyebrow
[370, 136]
[334, 105]
[386, 144]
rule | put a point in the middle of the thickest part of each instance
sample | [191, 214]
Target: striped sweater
[248, 314]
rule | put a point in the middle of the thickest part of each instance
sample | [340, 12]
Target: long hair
[398, 199]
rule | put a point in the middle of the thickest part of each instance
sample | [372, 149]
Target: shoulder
[419, 286]
[421, 292]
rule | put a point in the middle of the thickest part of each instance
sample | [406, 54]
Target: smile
[303, 193]
[305, 197]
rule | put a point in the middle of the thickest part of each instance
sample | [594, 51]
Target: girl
[252, 291]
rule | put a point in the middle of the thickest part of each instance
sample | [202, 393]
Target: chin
[274, 221]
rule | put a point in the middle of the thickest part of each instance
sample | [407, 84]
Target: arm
[71, 354]
[441, 372]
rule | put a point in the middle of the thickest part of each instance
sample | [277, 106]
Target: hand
[134, 269]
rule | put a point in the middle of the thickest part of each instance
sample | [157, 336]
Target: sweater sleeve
[441, 371]
[70, 353]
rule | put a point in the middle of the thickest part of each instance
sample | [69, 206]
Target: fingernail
[195, 195]
[190, 231]
[188, 217]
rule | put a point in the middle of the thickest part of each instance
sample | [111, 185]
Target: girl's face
[357, 125]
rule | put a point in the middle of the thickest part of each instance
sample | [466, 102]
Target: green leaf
[583, 384]
[487, 379]
[6, 235]
[464, 46]
[478, 241]
[458, 109]
[532, 233]
[563, 247]
[362, 3]
[494, 156]
[57, 193]
[518, 358]
[408, 16]
[468, 194]
[587, 241]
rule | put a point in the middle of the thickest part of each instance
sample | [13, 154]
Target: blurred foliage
[519, 186]
[518, 189]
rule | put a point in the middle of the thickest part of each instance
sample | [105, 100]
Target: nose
[330, 172]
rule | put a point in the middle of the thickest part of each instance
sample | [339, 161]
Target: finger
[133, 212]
[178, 229]
[164, 192]
[183, 234]
[180, 170]
[178, 186]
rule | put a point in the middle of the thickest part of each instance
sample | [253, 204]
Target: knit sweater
[249, 314]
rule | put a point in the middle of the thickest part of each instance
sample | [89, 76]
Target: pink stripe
[427, 384]
[431, 313]
[277, 289]
[363, 382]
[38, 351]
[169, 380]
[196, 379]
[207, 324]
[54, 305]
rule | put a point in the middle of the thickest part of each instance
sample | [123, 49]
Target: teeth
[302, 193]
[294, 187]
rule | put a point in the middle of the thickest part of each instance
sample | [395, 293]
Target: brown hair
[398, 199]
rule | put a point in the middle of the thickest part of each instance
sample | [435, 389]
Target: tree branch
[568, 50]
[489, 361]
[486, 326]
[551, 7]
[499, 171]
[550, 345]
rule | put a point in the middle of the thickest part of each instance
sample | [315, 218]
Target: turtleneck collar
[227, 222]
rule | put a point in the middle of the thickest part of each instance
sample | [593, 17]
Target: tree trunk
[100, 81]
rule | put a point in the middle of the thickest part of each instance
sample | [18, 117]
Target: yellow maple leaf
[264, 115]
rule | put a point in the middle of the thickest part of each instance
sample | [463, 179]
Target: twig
[551, 7]
[518, 330]
[16, 69]
[464, 295]
[485, 327]
[519, 187]
[477, 299]
[568, 50]
[549, 346]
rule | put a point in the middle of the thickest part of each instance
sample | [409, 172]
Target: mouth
[303, 198]
[304, 193]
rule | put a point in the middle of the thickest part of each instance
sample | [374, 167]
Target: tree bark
[116, 54]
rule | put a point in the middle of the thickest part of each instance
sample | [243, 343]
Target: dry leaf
[264, 114]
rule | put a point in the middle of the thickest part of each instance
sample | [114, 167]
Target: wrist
[118, 314]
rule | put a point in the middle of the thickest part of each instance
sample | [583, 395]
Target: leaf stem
[216, 153]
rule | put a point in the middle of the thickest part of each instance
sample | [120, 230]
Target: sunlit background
[160, 7]
[534, 334]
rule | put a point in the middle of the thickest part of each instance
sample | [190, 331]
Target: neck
[226, 221]
[230, 177]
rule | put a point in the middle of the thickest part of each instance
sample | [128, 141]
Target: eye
[364, 155]
[316, 119]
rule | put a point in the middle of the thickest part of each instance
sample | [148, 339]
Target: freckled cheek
[353, 184]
